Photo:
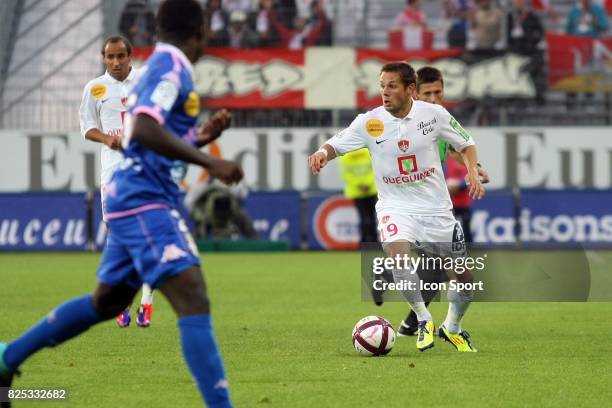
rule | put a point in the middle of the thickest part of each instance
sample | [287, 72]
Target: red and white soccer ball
[373, 336]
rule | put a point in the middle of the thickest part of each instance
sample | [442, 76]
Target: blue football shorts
[147, 247]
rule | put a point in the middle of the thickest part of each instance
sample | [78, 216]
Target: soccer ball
[373, 336]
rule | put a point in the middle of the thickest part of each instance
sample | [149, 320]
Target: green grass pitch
[284, 321]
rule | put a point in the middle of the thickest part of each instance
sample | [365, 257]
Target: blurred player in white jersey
[102, 110]
[414, 207]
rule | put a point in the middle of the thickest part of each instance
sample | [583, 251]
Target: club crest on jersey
[403, 145]
[124, 101]
[375, 127]
[385, 219]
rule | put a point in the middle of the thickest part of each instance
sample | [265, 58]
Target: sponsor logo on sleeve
[375, 127]
[459, 129]
[165, 95]
[98, 91]
[192, 104]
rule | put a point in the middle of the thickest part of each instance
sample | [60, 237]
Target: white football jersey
[103, 107]
[405, 158]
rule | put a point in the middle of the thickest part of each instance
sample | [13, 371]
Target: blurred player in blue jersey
[148, 241]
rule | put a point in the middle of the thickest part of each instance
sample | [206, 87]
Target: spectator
[457, 11]
[137, 23]
[411, 15]
[524, 34]
[246, 6]
[260, 22]
[318, 17]
[240, 35]
[302, 34]
[304, 7]
[217, 21]
[587, 19]
[286, 10]
[486, 21]
[525, 31]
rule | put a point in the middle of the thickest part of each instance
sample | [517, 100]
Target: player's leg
[146, 307]
[63, 323]
[168, 260]
[458, 303]
[186, 292]
[414, 297]
[458, 299]
[124, 318]
[410, 325]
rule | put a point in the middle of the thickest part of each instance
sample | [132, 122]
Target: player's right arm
[90, 122]
[147, 131]
[345, 141]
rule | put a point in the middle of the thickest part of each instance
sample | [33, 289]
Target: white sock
[458, 303]
[147, 295]
[413, 297]
[421, 311]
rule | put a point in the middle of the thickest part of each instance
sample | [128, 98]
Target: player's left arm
[212, 129]
[149, 133]
[470, 159]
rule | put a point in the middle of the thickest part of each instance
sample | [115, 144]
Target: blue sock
[63, 323]
[204, 360]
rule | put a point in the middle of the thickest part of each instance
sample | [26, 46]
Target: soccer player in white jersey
[102, 110]
[414, 207]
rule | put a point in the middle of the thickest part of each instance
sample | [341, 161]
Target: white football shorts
[436, 235]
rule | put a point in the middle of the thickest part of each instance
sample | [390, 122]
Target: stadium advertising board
[275, 159]
[539, 217]
[333, 223]
[230, 78]
[43, 221]
[58, 221]
[276, 216]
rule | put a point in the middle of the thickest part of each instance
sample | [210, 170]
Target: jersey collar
[410, 114]
[165, 47]
[130, 76]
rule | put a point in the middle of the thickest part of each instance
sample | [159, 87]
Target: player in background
[102, 110]
[430, 88]
[413, 207]
[148, 241]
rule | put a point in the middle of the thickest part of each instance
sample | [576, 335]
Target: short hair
[427, 75]
[405, 70]
[179, 20]
[115, 39]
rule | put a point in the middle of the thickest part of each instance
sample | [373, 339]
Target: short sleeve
[349, 139]
[88, 115]
[451, 131]
[158, 94]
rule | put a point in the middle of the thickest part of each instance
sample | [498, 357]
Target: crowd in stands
[484, 20]
[292, 24]
[475, 24]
